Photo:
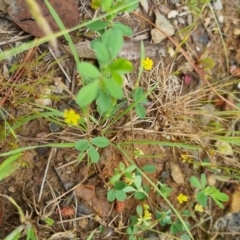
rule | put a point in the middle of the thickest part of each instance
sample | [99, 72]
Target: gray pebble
[174, 1]
[217, 5]
[42, 150]
[82, 209]
[53, 127]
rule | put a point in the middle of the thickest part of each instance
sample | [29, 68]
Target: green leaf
[120, 195]
[149, 168]
[93, 154]
[195, 182]
[130, 168]
[176, 228]
[100, 142]
[139, 195]
[203, 180]
[87, 94]
[104, 38]
[102, 53]
[15, 234]
[138, 181]
[220, 196]
[115, 42]
[140, 110]
[9, 166]
[106, 4]
[31, 234]
[218, 203]
[185, 236]
[119, 185]
[138, 95]
[129, 189]
[126, 31]
[113, 88]
[139, 210]
[49, 221]
[82, 145]
[121, 66]
[104, 102]
[121, 166]
[117, 78]
[115, 178]
[88, 70]
[111, 196]
[132, 7]
[202, 198]
[165, 190]
[97, 25]
[80, 156]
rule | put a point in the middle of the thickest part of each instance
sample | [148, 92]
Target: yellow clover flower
[182, 198]
[147, 64]
[129, 181]
[186, 158]
[146, 216]
[71, 117]
[198, 208]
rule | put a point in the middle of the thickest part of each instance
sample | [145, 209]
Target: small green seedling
[117, 193]
[89, 147]
[207, 191]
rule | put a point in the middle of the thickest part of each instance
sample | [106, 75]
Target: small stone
[203, 38]
[42, 150]
[82, 223]
[236, 31]
[217, 5]
[174, 1]
[43, 101]
[176, 173]
[164, 9]
[144, 4]
[100, 206]
[85, 191]
[56, 89]
[220, 18]
[53, 127]
[181, 20]
[11, 189]
[82, 209]
[189, 19]
[41, 135]
[172, 14]
[198, 48]
[164, 25]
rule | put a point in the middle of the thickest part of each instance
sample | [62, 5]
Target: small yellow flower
[147, 64]
[186, 158]
[147, 215]
[138, 152]
[71, 117]
[129, 181]
[198, 208]
[182, 198]
[145, 206]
